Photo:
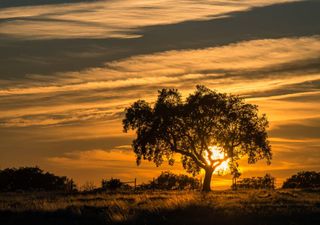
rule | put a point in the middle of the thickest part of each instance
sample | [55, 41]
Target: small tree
[192, 127]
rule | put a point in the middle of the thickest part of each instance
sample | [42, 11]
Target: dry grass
[219, 207]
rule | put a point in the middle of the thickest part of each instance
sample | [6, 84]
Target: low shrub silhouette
[88, 186]
[304, 179]
[113, 184]
[169, 181]
[266, 182]
[33, 179]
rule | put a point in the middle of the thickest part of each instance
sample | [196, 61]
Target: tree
[304, 179]
[194, 126]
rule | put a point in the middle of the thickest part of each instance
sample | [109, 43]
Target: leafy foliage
[31, 179]
[170, 181]
[206, 118]
[304, 179]
[266, 182]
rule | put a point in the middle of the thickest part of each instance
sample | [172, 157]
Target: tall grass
[163, 207]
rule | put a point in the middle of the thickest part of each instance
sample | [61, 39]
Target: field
[163, 207]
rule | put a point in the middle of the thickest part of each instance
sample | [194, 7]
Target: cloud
[47, 56]
[94, 159]
[259, 58]
[15, 3]
[100, 19]
[103, 93]
[302, 129]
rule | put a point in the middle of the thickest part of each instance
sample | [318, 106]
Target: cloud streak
[232, 68]
[117, 19]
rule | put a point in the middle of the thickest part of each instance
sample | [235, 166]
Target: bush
[170, 181]
[266, 182]
[33, 179]
[113, 184]
[304, 179]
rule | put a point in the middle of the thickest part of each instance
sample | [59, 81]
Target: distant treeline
[304, 179]
[165, 181]
[33, 179]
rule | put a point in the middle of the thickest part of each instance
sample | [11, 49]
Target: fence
[132, 182]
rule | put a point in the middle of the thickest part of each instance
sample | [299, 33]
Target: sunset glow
[214, 154]
[68, 70]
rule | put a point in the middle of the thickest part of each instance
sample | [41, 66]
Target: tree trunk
[207, 180]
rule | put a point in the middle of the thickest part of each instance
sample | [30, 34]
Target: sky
[68, 69]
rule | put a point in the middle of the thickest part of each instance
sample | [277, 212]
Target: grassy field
[172, 208]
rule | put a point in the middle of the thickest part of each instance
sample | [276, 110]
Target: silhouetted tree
[206, 118]
[304, 179]
[33, 178]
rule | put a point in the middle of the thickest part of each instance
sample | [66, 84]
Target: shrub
[304, 179]
[266, 182]
[169, 181]
[88, 186]
[114, 184]
[33, 179]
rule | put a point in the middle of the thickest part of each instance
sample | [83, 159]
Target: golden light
[217, 153]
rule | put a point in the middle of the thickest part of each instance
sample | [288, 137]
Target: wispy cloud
[114, 162]
[111, 18]
[102, 93]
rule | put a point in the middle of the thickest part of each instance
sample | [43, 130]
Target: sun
[218, 153]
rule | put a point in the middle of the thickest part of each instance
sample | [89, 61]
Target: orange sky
[67, 71]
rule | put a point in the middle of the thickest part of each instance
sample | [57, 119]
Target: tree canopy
[191, 127]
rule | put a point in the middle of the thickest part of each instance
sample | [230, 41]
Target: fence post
[135, 183]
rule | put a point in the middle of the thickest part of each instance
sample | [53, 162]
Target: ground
[163, 207]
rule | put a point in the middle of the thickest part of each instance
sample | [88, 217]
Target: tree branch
[217, 162]
[189, 154]
[199, 156]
